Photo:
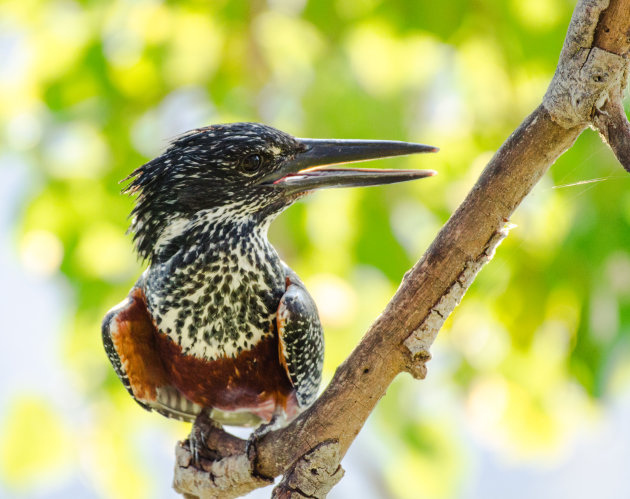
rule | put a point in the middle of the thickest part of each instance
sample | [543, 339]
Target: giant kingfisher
[218, 323]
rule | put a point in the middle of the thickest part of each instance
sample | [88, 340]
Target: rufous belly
[253, 381]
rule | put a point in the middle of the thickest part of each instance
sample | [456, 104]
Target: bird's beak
[306, 171]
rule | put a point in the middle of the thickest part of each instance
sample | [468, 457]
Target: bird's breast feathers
[216, 305]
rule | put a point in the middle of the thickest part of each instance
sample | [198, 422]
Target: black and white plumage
[217, 321]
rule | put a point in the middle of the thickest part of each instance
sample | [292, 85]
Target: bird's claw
[260, 432]
[199, 436]
[196, 441]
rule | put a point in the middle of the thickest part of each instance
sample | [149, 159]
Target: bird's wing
[301, 339]
[129, 339]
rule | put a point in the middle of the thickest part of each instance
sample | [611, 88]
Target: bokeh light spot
[41, 252]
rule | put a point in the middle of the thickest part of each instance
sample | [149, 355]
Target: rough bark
[313, 475]
[585, 91]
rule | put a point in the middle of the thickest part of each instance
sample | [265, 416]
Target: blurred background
[528, 393]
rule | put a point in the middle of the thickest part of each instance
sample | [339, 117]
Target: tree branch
[585, 91]
[313, 475]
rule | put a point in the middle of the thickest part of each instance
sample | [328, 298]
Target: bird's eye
[252, 162]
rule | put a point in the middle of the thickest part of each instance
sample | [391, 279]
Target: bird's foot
[198, 438]
[276, 422]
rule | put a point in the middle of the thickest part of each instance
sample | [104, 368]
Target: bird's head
[247, 170]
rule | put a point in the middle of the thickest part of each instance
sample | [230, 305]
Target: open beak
[306, 170]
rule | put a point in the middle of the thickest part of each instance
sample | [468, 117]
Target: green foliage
[101, 86]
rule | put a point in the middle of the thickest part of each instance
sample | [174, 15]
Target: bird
[218, 323]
